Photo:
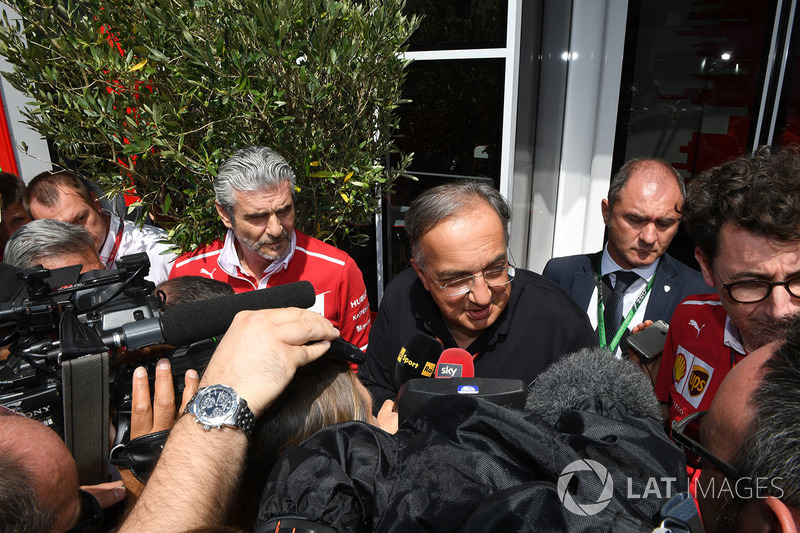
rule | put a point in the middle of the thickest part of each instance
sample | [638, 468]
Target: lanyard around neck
[601, 326]
[115, 249]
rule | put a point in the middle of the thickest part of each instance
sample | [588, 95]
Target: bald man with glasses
[745, 218]
[464, 291]
[747, 443]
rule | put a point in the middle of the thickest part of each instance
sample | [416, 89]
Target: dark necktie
[612, 314]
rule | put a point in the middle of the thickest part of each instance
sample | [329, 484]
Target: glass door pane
[692, 80]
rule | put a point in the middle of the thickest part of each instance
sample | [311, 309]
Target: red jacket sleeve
[354, 313]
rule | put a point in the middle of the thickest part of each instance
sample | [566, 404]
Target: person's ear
[784, 517]
[705, 267]
[95, 202]
[224, 215]
[606, 210]
[422, 277]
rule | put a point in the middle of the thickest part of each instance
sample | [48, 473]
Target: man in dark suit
[638, 281]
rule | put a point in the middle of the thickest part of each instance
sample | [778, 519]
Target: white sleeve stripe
[701, 302]
[195, 258]
[321, 256]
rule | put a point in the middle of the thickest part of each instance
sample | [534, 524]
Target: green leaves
[157, 93]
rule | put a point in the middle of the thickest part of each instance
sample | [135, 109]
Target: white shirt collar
[229, 259]
[609, 266]
[732, 338]
[111, 237]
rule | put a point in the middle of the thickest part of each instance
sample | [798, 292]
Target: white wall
[37, 158]
[593, 87]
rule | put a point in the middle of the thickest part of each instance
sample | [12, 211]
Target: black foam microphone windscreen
[417, 358]
[591, 375]
[184, 324]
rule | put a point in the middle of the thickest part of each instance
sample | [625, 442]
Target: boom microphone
[455, 363]
[591, 375]
[186, 323]
[417, 358]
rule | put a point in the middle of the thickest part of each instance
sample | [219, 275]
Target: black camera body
[33, 394]
[63, 315]
[195, 356]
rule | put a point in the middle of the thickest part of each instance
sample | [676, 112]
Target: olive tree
[152, 95]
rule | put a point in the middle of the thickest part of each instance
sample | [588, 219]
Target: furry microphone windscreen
[591, 375]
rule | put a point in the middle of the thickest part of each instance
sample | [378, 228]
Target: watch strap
[244, 417]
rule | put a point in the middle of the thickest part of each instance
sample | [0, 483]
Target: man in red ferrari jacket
[255, 200]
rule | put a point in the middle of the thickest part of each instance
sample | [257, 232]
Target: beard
[764, 330]
[256, 246]
[730, 516]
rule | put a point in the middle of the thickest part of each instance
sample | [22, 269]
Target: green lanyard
[601, 326]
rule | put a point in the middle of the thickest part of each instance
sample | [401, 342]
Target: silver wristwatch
[219, 405]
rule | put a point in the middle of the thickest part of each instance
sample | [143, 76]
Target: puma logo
[207, 273]
[693, 323]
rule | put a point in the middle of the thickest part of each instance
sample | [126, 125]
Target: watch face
[216, 405]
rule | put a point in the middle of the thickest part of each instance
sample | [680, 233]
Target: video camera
[67, 332]
[62, 315]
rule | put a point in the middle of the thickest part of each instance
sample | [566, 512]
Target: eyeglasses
[752, 291]
[494, 277]
[679, 435]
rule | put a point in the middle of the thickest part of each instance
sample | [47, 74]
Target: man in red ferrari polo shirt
[255, 200]
[745, 218]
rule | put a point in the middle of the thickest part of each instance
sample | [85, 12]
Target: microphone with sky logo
[455, 363]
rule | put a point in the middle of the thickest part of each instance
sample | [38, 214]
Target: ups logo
[698, 381]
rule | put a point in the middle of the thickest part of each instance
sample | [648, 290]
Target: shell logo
[679, 368]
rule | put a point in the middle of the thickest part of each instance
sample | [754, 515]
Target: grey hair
[41, 239]
[770, 449]
[624, 174]
[250, 169]
[439, 203]
[22, 510]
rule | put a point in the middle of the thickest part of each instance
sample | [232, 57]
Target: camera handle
[85, 389]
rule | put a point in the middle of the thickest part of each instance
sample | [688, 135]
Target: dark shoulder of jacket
[403, 282]
[690, 276]
[538, 283]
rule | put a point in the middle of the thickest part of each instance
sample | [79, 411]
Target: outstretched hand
[261, 351]
[150, 417]
[199, 470]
